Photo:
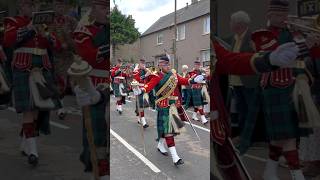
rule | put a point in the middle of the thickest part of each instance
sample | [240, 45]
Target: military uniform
[168, 102]
[92, 44]
[141, 76]
[31, 62]
[229, 63]
[196, 96]
[118, 77]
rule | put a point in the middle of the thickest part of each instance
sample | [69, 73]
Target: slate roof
[193, 11]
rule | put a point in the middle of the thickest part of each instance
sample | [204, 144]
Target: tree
[122, 29]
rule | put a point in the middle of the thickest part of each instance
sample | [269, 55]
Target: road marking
[135, 152]
[59, 125]
[255, 158]
[129, 101]
[202, 128]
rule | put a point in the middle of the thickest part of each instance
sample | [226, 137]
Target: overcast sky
[146, 12]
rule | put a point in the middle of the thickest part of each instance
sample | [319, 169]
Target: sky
[146, 12]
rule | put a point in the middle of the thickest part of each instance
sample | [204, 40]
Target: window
[181, 32]
[205, 55]
[160, 39]
[206, 25]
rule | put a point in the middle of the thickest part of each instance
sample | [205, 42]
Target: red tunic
[156, 78]
[116, 72]
[37, 45]
[83, 37]
[227, 63]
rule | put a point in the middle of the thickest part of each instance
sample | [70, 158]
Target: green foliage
[122, 30]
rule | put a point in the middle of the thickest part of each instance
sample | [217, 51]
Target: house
[193, 36]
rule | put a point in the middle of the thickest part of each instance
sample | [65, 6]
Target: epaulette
[8, 21]
[81, 33]
[82, 29]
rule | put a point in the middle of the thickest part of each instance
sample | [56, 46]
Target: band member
[141, 74]
[63, 26]
[196, 94]
[92, 44]
[32, 82]
[239, 64]
[166, 85]
[282, 119]
[118, 77]
[184, 89]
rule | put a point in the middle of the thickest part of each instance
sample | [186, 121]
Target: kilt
[163, 125]
[187, 100]
[99, 128]
[116, 90]
[21, 90]
[141, 101]
[281, 119]
[196, 97]
[254, 107]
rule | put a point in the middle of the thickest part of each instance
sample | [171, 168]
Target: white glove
[285, 55]
[198, 79]
[137, 91]
[83, 97]
[95, 95]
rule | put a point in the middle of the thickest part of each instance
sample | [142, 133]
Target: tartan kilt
[187, 100]
[163, 125]
[21, 90]
[99, 128]
[196, 97]
[250, 122]
[116, 90]
[281, 119]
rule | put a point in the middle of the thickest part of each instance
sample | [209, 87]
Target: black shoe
[179, 162]
[62, 116]
[145, 126]
[163, 153]
[32, 159]
[88, 166]
[120, 112]
[23, 153]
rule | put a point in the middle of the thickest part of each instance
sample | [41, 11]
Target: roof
[193, 11]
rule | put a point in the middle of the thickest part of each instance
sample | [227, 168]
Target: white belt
[35, 51]
[99, 73]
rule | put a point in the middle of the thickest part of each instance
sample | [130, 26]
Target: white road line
[202, 128]
[255, 158]
[59, 125]
[129, 101]
[135, 152]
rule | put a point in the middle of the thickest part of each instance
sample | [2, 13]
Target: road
[125, 164]
[58, 152]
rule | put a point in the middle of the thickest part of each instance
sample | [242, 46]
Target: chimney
[194, 1]
[187, 5]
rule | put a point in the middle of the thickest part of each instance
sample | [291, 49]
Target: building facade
[193, 36]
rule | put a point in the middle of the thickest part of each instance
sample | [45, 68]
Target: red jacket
[37, 45]
[227, 63]
[83, 37]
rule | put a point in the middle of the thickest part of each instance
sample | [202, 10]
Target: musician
[63, 27]
[118, 77]
[92, 44]
[141, 75]
[166, 85]
[239, 64]
[31, 70]
[281, 117]
[196, 94]
[184, 89]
